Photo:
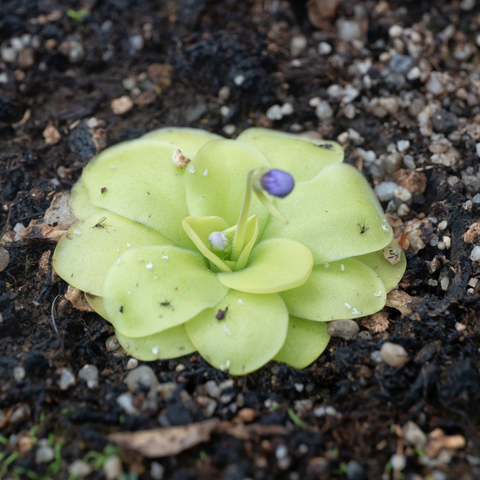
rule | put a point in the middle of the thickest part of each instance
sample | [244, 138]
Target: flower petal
[215, 181]
[305, 342]
[91, 246]
[343, 289]
[251, 333]
[327, 215]
[157, 288]
[390, 274]
[171, 343]
[138, 180]
[302, 157]
[274, 266]
[189, 140]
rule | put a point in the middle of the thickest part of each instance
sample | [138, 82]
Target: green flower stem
[239, 238]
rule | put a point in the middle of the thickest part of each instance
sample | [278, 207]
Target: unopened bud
[277, 183]
[219, 241]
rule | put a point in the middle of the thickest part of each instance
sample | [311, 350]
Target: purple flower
[277, 183]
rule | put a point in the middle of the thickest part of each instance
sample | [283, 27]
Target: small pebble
[297, 45]
[393, 355]
[51, 135]
[157, 471]
[238, 80]
[112, 344]
[79, 468]
[324, 111]
[401, 63]
[385, 191]
[18, 373]
[414, 435]
[89, 373]
[348, 30]
[121, 105]
[444, 121]
[324, 48]
[132, 363]
[355, 471]
[75, 52]
[141, 376]
[136, 42]
[403, 145]
[274, 113]
[112, 468]
[365, 335]
[44, 454]
[9, 54]
[67, 379]
[346, 329]
[125, 400]
[224, 92]
[229, 129]
[247, 415]
[213, 389]
[475, 255]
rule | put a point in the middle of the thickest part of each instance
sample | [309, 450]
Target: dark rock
[444, 122]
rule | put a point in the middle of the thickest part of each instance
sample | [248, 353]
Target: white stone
[89, 373]
[274, 112]
[224, 110]
[18, 373]
[67, 379]
[238, 80]
[141, 376]
[348, 30]
[403, 145]
[414, 435]
[324, 111]
[385, 191]
[157, 471]
[44, 454]
[434, 84]
[395, 31]
[136, 42]
[313, 102]
[9, 54]
[324, 48]
[403, 194]
[112, 468]
[393, 355]
[224, 92]
[413, 74]
[475, 255]
[298, 45]
[125, 400]
[228, 129]
[286, 109]
[79, 468]
[132, 363]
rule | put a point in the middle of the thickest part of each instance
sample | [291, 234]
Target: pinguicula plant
[242, 253]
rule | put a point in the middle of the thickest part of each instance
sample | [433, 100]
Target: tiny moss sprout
[240, 249]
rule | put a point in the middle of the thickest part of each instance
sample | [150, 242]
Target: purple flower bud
[277, 183]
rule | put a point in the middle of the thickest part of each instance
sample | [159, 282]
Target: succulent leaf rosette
[225, 254]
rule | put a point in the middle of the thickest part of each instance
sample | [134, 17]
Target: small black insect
[104, 190]
[326, 146]
[69, 237]
[166, 303]
[221, 314]
[101, 224]
[363, 228]
[121, 309]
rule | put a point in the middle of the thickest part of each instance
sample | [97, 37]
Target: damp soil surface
[407, 101]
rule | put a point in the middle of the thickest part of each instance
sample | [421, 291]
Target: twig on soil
[53, 314]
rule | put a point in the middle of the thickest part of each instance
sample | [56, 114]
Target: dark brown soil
[209, 44]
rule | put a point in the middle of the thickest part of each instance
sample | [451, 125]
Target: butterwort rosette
[243, 253]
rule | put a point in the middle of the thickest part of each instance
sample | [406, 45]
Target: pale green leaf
[152, 289]
[328, 214]
[91, 246]
[390, 274]
[215, 181]
[80, 203]
[199, 229]
[171, 343]
[138, 180]
[251, 234]
[337, 290]
[305, 342]
[302, 157]
[275, 265]
[251, 334]
[189, 140]
[96, 303]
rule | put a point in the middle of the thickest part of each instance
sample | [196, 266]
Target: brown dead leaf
[321, 10]
[77, 299]
[54, 224]
[164, 442]
[377, 322]
[437, 440]
[401, 301]
[473, 233]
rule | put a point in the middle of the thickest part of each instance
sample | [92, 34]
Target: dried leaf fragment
[54, 224]
[377, 322]
[401, 301]
[77, 299]
[473, 233]
[437, 440]
[164, 442]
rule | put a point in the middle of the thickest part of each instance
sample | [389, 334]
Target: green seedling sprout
[248, 278]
